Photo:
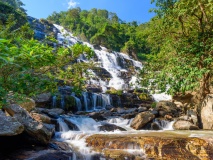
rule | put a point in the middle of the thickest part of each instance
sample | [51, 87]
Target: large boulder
[141, 120]
[43, 99]
[184, 125]
[9, 125]
[207, 112]
[39, 131]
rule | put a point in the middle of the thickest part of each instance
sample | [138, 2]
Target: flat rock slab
[156, 145]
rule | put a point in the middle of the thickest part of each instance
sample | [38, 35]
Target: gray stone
[40, 131]
[44, 97]
[184, 125]
[207, 112]
[9, 126]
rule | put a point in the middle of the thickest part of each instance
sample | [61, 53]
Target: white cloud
[72, 4]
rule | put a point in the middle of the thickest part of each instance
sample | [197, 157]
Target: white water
[111, 62]
[62, 125]
[117, 65]
[89, 126]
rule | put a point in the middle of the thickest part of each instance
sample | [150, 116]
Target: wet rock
[102, 73]
[110, 127]
[94, 89]
[96, 46]
[60, 146]
[107, 114]
[9, 126]
[155, 126]
[40, 131]
[207, 112]
[108, 107]
[71, 125]
[141, 120]
[184, 125]
[167, 108]
[42, 99]
[96, 116]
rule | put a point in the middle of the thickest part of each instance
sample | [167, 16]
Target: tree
[16, 4]
[183, 59]
[29, 67]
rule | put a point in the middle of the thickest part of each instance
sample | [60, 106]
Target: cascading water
[54, 101]
[94, 100]
[85, 95]
[77, 102]
[164, 124]
[63, 127]
[121, 71]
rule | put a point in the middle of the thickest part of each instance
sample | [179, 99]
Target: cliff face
[42, 28]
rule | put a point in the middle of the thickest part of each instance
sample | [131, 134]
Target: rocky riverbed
[164, 131]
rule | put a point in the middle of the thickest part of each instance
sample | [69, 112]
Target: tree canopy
[182, 55]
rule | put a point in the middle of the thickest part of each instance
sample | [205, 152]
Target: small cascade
[106, 100]
[77, 102]
[164, 124]
[85, 95]
[62, 125]
[121, 122]
[85, 124]
[54, 101]
[94, 100]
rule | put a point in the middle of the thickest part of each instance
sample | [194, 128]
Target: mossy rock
[144, 96]
[114, 91]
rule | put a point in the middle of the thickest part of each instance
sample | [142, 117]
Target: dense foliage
[182, 40]
[29, 67]
[6, 10]
[101, 27]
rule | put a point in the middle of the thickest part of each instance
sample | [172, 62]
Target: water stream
[121, 72]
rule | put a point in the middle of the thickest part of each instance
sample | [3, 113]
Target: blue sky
[127, 10]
